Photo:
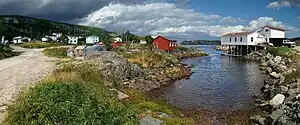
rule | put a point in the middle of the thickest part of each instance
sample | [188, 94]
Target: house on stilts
[242, 43]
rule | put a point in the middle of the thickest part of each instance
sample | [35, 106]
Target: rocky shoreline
[280, 99]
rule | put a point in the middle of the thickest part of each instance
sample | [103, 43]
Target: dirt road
[21, 71]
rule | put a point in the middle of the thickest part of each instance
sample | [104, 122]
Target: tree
[149, 40]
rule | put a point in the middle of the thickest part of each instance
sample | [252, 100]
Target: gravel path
[21, 71]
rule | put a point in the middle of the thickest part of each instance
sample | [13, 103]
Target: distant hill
[296, 39]
[201, 42]
[12, 25]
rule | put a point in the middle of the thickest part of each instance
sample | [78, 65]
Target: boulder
[269, 70]
[283, 89]
[276, 115]
[115, 67]
[275, 75]
[264, 64]
[258, 119]
[277, 100]
[277, 59]
[269, 56]
[150, 121]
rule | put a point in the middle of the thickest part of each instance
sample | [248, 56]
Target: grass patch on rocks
[149, 107]
[60, 52]
[284, 52]
[40, 44]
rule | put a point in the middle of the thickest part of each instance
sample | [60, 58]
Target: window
[241, 39]
[230, 39]
[235, 39]
[267, 30]
[251, 39]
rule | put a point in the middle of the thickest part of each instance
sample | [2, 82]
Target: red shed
[164, 43]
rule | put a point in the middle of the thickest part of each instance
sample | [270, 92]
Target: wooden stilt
[247, 49]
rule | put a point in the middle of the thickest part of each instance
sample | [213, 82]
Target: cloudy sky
[177, 19]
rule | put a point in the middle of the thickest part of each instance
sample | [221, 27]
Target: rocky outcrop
[279, 98]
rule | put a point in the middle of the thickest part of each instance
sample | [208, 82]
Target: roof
[165, 39]
[238, 34]
[274, 28]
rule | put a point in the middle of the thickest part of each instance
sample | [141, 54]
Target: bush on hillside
[56, 52]
[6, 51]
[68, 104]
[40, 44]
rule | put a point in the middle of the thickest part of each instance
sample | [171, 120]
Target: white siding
[225, 40]
[257, 38]
[246, 40]
[73, 40]
[92, 39]
[277, 34]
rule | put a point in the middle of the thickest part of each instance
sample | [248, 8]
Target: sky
[175, 19]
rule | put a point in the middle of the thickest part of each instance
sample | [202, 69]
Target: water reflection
[219, 82]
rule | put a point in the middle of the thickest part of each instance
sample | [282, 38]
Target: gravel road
[21, 71]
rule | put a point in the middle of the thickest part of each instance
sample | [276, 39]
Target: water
[219, 83]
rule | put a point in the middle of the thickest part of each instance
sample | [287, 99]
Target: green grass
[60, 52]
[282, 51]
[145, 104]
[68, 104]
[40, 44]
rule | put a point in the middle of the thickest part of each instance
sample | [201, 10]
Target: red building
[164, 43]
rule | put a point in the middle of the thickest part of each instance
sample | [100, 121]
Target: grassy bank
[77, 95]
[40, 44]
[60, 52]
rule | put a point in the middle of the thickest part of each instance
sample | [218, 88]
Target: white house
[117, 39]
[54, 36]
[272, 32]
[73, 39]
[252, 38]
[45, 39]
[92, 39]
[242, 38]
[20, 39]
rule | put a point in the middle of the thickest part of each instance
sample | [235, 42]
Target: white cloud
[278, 5]
[230, 20]
[298, 17]
[170, 20]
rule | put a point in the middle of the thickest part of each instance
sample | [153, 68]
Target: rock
[269, 70]
[120, 95]
[163, 115]
[150, 121]
[258, 119]
[292, 93]
[114, 67]
[277, 100]
[271, 63]
[275, 75]
[283, 89]
[265, 87]
[263, 64]
[277, 59]
[3, 109]
[269, 56]
[276, 115]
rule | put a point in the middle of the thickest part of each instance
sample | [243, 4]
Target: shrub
[181, 48]
[56, 52]
[68, 104]
[40, 44]
[6, 51]
[149, 59]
